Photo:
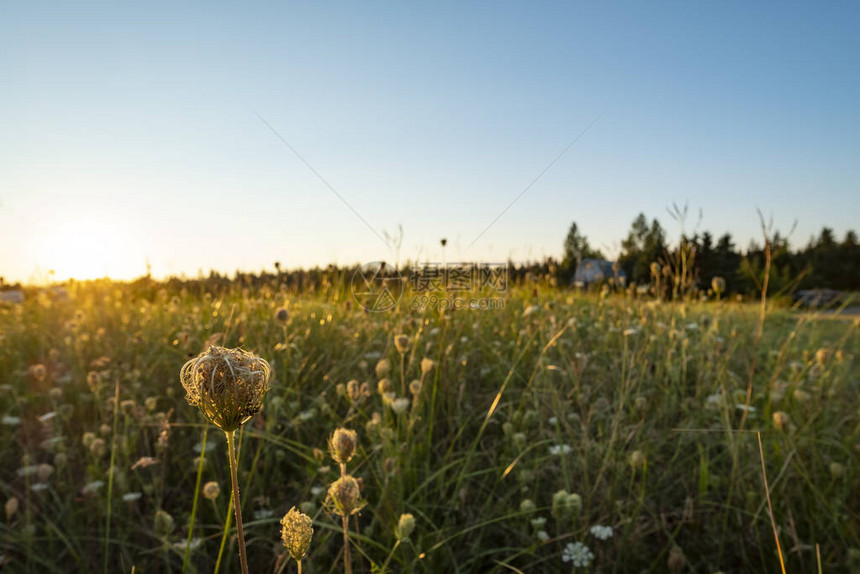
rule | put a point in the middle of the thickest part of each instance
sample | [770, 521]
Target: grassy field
[644, 414]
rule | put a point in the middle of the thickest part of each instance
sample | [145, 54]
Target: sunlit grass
[557, 432]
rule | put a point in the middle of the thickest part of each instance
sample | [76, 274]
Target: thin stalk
[402, 374]
[196, 497]
[227, 521]
[237, 505]
[110, 477]
[347, 563]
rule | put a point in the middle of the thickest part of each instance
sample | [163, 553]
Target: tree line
[826, 261]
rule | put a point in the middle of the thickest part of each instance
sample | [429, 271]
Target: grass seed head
[12, 507]
[227, 385]
[341, 445]
[296, 532]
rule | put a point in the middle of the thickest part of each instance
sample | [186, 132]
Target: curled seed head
[227, 385]
[383, 367]
[353, 390]
[426, 365]
[164, 523]
[12, 507]
[405, 526]
[780, 420]
[415, 387]
[97, 447]
[384, 387]
[211, 490]
[344, 495]
[341, 445]
[296, 532]
[402, 343]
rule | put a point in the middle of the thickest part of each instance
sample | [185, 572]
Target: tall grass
[633, 405]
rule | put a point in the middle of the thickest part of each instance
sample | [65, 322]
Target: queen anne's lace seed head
[344, 495]
[227, 385]
[296, 532]
[341, 445]
[601, 532]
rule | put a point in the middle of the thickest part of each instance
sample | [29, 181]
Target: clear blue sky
[129, 132]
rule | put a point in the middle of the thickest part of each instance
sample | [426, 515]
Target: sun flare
[88, 249]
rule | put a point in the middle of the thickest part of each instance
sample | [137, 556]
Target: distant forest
[825, 262]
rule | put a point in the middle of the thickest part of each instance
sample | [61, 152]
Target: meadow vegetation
[562, 433]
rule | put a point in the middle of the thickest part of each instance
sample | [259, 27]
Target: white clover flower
[601, 532]
[577, 553]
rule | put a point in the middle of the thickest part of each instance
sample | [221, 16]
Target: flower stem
[237, 506]
[347, 563]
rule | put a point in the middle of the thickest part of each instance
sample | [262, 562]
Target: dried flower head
[344, 494]
[405, 526]
[353, 390]
[383, 367]
[12, 507]
[415, 387]
[296, 532]
[164, 523]
[402, 343]
[718, 284]
[227, 385]
[780, 419]
[282, 315]
[341, 445]
[211, 490]
[426, 365]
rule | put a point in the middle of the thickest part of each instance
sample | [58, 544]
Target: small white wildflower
[538, 522]
[131, 496]
[601, 532]
[263, 513]
[39, 486]
[400, 405]
[307, 415]
[560, 449]
[542, 535]
[552, 420]
[577, 553]
[47, 416]
[11, 421]
[28, 470]
[317, 490]
[746, 408]
[195, 544]
[93, 487]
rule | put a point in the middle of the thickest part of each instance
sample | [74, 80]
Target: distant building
[591, 271]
